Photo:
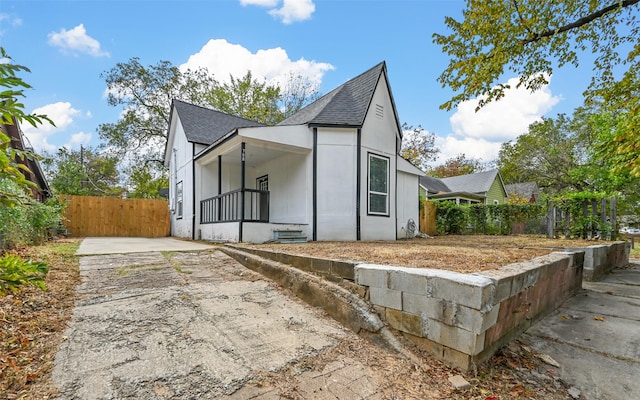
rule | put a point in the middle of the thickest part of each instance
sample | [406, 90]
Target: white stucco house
[332, 171]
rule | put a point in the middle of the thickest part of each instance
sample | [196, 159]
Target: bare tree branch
[580, 22]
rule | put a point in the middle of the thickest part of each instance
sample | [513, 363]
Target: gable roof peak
[345, 105]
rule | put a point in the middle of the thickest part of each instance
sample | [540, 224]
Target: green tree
[248, 98]
[458, 165]
[530, 38]
[84, 172]
[145, 93]
[12, 110]
[145, 182]
[418, 146]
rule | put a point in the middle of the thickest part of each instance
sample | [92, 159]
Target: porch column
[242, 184]
[219, 201]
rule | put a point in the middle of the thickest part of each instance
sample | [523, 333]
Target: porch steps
[289, 236]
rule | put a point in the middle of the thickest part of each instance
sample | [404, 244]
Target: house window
[179, 199]
[378, 185]
[496, 202]
[262, 183]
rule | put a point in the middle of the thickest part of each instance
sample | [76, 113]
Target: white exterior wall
[180, 170]
[408, 202]
[220, 232]
[288, 187]
[379, 138]
[336, 177]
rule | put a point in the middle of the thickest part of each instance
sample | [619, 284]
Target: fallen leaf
[564, 317]
[548, 360]
[599, 319]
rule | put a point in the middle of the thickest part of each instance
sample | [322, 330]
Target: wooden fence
[109, 216]
[428, 218]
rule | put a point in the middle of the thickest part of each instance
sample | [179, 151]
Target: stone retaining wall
[464, 318]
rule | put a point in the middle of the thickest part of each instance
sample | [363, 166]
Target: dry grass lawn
[464, 253]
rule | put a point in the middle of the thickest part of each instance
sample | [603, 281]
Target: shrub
[16, 272]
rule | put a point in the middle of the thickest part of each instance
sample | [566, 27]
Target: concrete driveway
[122, 245]
[196, 325]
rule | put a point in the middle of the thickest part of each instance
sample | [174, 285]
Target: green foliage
[10, 105]
[529, 39]
[247, 98]
[16, 272]
[84, 172]
[12, 110]
[458, 165]
[143, 184]
[452, 218]
[418, 146]
[28, 221]
[579, 207]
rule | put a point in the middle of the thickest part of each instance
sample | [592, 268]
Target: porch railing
[228, 207]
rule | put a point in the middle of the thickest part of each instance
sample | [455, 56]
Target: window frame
[179, 200]
[370, 192]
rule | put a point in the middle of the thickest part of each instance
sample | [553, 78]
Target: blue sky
[68, 44]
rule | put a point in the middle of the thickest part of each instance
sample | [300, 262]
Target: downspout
[358, 180]
[193, 188]
[395, 197]
[242, 183]
[314, 236]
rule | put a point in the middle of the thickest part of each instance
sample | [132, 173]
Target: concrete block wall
[600, 260]
[464, 318]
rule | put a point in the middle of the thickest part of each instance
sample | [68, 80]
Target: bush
[491, 219]
[27, 221]
[16, 272]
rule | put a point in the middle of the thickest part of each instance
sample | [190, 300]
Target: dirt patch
[465, 254]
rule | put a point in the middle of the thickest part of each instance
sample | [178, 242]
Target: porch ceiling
[256, 153]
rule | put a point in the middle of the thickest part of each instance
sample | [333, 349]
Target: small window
[262, 183]
[496, 202]
[378, 185]
[179, 199]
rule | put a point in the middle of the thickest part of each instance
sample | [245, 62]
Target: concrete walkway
[595, 337]
[124, 245]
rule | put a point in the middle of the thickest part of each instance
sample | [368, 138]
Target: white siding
[180, 170]
[408, 202]
[336, 177]
[288, 187]
[379, 134]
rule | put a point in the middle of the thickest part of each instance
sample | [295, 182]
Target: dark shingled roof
[524, 189]
[346, 105]
[474, 183]
[433, 185]
[205, 126]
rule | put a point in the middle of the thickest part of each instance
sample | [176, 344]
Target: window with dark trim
[378, 185]
[179, 199]
[262, 183]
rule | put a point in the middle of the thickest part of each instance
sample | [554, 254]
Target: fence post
[551, 220]
[614, 218]
[603, 219]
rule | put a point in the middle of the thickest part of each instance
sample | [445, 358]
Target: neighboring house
[482, 187]
[41, 191]
[525, 190]
[329, 172]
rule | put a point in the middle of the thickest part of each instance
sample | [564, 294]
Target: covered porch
[251, 190]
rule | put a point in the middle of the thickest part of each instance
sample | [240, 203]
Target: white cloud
[506, 118]
[61, 113]
[262, 3]
[480, 134]
[10, 19]
[452, 146]
[291, 10]
[274, 66]
[78, 139]
[76, 41]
